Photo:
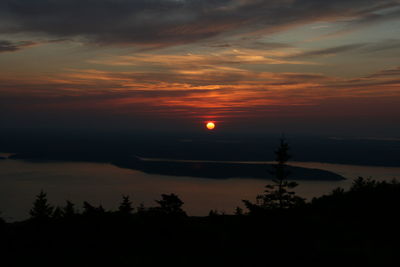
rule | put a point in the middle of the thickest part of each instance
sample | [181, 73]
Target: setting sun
[210, 125]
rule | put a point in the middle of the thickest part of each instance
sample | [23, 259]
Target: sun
[210, 125]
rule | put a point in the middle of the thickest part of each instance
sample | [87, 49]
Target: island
[221, 170]
[188, 168]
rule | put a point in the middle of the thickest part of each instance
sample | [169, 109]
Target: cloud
[389, 12]
[89, 98]
[389, 44]
[159, 23]
[381, 46]
[254, 44]
[191, 92]
[222, 60]
[394, 72]
[8, 46]
[326, 51]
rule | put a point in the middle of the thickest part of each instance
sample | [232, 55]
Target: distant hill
[191, 168]
[215, 146]
[221, 170]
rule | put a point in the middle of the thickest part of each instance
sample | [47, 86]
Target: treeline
[365, 195]
[170, 205]
[359, 226]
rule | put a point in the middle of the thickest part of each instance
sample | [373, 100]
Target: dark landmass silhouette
[201, 169]
[222, 170]
[215, 146]
[358, 227]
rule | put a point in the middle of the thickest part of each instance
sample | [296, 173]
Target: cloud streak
[326, 51]
[8, 46]
[195, 95]
[170, 22]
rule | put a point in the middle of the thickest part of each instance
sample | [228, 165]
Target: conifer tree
[58, 213]
[141, 208]
[41, 208]
[90, 210]
[69, 209]
[171, 205]
[238, 211]
[279, 193]
[126, 206]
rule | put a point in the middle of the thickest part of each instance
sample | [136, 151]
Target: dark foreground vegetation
[358, 227]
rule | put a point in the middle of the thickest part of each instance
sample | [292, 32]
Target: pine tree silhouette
[69, 210]
[141, 208]
[171, 205]
[41, 210]
[212, 213]
[126, 206]
[238, 211]
[90, 210]
[57, 213]
[278, 194]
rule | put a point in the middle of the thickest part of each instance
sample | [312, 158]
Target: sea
[104, 184]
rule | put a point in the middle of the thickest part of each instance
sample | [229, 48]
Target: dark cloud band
[8, 46]
[169, 22]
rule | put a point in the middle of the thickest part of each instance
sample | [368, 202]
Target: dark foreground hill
[355, 228]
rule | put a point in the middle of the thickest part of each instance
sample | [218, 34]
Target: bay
[21, 181]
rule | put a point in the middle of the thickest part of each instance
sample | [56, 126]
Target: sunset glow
[292, 67]
[210, 125]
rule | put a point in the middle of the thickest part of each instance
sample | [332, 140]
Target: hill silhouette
[106, 147]
[221, 170]
[357, 227]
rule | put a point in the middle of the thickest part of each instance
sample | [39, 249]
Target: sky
[301, 66]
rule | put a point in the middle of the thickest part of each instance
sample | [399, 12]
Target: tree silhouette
[126, 206]
[69, 210]
[212, 213]
[90, 210]
[238, 211]
[2, 221]
[279, 194]
[171, 205]
[361, 185]
[58, 213]
[41, 210]
[141, 208]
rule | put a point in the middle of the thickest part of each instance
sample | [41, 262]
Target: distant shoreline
[222, 169]
[196, 168]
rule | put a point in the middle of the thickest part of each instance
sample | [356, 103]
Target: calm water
[104, 184]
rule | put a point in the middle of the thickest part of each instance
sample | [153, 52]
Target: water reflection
[104, 184]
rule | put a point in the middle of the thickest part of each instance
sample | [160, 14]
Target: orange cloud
[218, 93]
